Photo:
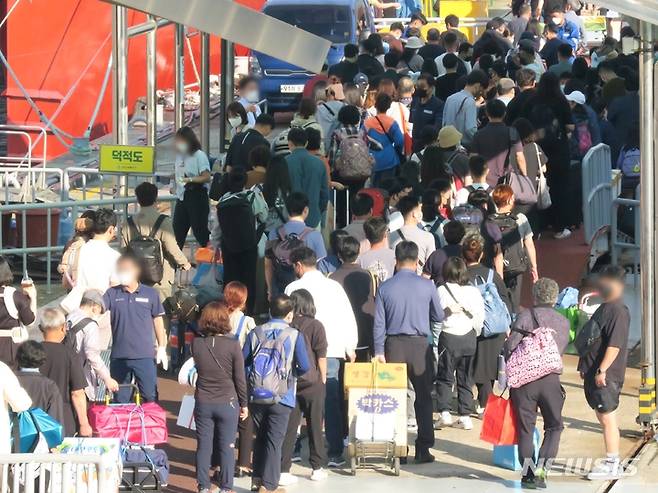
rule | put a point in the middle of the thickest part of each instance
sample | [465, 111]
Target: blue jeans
[334, 407]
[216, 424]
[146, 376]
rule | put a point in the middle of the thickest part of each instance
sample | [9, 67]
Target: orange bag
[206, 255]
[499, 422]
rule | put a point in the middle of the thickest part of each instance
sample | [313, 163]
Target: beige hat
[337, 89]
[414, 42]
[449, 136]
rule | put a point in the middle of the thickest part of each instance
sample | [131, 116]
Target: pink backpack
[536, 356]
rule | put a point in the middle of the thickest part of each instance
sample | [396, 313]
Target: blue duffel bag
[144, 469]
[30, 425]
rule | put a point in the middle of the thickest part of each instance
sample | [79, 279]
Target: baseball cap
[94, 296]
[576, 97]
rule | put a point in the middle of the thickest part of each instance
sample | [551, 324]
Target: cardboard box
[378, 415]
[386, 375]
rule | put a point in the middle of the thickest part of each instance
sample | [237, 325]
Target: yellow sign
[127, 159]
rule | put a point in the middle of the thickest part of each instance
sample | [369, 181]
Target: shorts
[602, 399]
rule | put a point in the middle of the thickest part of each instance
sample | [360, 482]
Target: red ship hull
[49, 44]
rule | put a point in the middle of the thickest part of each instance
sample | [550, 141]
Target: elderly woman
[221, 394]
[545, 393]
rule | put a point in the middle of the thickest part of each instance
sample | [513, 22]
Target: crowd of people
[391, 221]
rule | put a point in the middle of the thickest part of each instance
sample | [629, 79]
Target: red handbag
[144, 424]
[499, 422]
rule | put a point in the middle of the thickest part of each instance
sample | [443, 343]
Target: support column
[179, 76]
[228, 74]
[151, 85]
[648, 189]
[119, 76]
[204, 89]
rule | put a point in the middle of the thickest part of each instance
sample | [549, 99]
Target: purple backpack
[536, 356]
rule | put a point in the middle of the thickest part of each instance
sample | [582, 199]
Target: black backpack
[148, 250]
[72, 332]
[588, 338]
[515, 259]
[238, 223]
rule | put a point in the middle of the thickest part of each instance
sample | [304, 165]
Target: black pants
[417, 354]
[310, 403]
[216, 425]
[514, 289]
[484, 391]
[241, 266]
[192, 212]
[343, 213]
[456, 356]
[245, 442]
[548, 395]
[271, 423]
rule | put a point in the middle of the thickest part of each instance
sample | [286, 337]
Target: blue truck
[339, 21]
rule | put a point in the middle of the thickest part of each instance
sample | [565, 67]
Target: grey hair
[51, 318]
[545, 291]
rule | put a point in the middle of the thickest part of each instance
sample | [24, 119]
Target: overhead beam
[241, 25]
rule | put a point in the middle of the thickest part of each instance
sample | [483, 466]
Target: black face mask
[421, 93]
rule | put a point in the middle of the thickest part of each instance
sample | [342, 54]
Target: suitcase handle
[138, 397]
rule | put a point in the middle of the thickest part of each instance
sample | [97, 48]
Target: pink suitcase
[144, 424]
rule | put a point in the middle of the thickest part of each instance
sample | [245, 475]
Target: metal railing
[619, 242]
[55, 211]
[597, 190]
[54, 473]
[28, 158]
[22, 183]
[83, 179]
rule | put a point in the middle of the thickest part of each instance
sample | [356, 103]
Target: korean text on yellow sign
[127, 159]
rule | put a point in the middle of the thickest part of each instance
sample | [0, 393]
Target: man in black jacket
[244, 142]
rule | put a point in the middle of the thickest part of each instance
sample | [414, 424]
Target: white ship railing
[53, 473]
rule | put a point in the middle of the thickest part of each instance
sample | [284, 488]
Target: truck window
[329, 22]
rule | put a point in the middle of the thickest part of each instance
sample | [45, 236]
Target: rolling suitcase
[133, 423]
[144, 469]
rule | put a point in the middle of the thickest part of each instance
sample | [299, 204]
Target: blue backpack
[270, 370]
[497, 319]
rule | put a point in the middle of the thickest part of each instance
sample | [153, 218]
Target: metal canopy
[644, 10]
[241, 25]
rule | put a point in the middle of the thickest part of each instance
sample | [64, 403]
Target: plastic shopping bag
[499, 422]
[186, 413]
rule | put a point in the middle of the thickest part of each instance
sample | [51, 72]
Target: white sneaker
[606, 471]
[563, 235]
[464, 422]
[480, 412]
[412, 425]
[444, 420]
[287, 479]
[319, 475]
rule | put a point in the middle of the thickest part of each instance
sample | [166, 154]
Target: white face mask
[125, 278]
[252, 96]
[235, 121]
[181, 147]
[556, 20]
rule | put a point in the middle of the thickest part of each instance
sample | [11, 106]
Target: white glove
[161, 358]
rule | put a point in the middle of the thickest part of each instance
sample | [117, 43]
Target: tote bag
[498, 422]
[543, 192]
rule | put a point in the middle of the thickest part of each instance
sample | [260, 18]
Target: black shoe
[529, 483]
[423, 457]
[404, 460]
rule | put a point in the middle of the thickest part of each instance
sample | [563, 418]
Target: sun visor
[241, 25]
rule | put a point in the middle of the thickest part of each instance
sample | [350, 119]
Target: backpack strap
[305, 233]
[133, 227]
[240, 326]
[490, 277]
[281, 232]
[436, 225]
[326, 107]
[74, 329]
[157, 225]
[466, 312]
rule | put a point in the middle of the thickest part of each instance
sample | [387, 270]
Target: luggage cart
[377, 414]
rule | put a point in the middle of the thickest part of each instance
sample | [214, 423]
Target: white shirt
[442, 70]
[248, 325]
[97, 266]
[333, 309]
[462, 195]
[251, 115]
[13, 397]
[190, 167]
[465, 298]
